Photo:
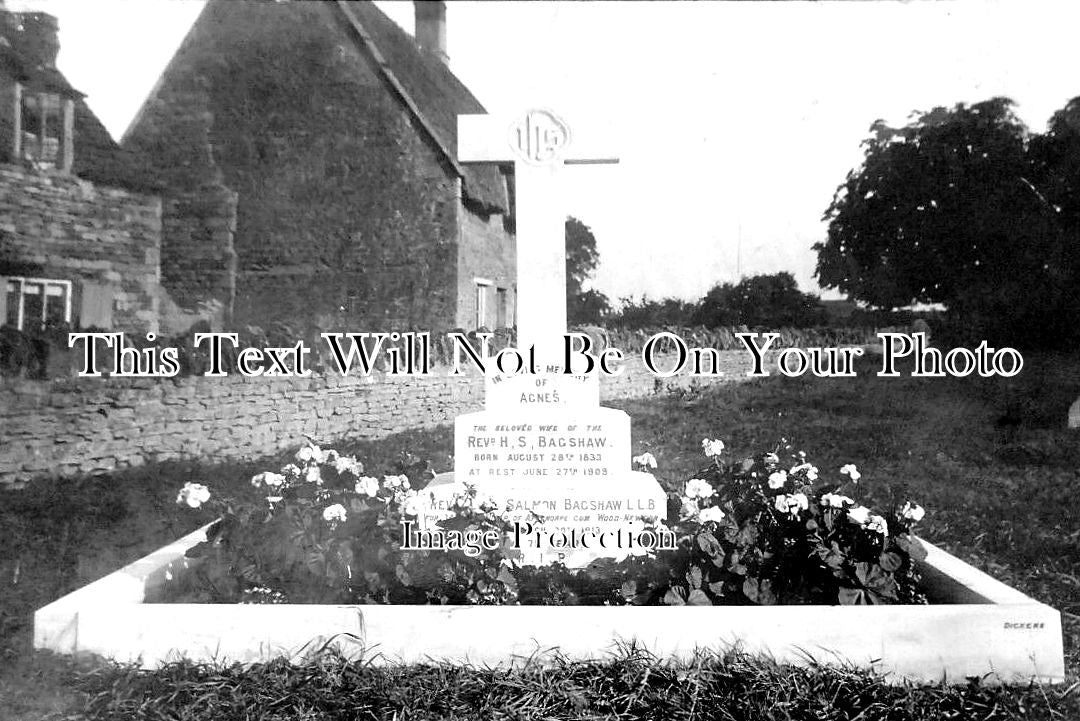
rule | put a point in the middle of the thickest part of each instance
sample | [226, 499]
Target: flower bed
[762, 530]
[752, 535]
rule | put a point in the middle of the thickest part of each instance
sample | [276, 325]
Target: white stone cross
[539, 144]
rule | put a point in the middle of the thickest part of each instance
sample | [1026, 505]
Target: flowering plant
[765, 531]
[762, 530]
[321, 531]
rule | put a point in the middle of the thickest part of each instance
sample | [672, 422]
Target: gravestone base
[601, 519]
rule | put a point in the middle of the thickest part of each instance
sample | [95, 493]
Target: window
[500, 307]
[34, 303]
[41, 125]
[44, 131]
[482, 286]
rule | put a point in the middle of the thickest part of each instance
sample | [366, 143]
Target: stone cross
[538, 143]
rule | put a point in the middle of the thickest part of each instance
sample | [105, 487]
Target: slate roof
[431, 91]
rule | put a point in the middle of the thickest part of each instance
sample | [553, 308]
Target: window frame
[65, 137]
[482, 285]
[502, 306]
[23, 281]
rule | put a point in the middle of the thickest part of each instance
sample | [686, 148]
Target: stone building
[307, 155]
[80, 224]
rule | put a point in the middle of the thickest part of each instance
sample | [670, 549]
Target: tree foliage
[582, 306]
[958, 207]
[762, 300]
[649, 313]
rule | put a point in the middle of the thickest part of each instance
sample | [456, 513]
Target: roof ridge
[398, 88]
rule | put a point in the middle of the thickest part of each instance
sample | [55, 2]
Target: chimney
[431, 27]
[35, 34]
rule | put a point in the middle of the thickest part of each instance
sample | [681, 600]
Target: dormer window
[44, 134]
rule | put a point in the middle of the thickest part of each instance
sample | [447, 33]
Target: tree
[581, 259]
[945, 210]
[589, 307]
[645, 313]
[770, 301]
[1055, 156]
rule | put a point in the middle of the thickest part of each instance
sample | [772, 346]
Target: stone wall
[94, 425]
[198, 262]
[56, 226]
[486, 251]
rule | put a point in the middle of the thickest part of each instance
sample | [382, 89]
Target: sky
[734, 122]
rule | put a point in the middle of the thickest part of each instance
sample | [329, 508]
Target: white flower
[193, 494]
[912, 512]
[645, 459]
[412, 505]
[712, 448]
[396, 482]
[777, 479]
[771, 458]
[811, 471]
[712, 513]
[304, 454]
[274, 499]
[689, 508]
[347, 464]
[291, 470]
[334, 514]
[859, 514]
[697, 488]
[834, 500]
[792, 503]
[313, 475]
[852, 471]
[877, 523]
[273, 480]
[367, 486]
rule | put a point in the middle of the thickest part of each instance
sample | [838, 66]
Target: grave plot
[975, 626]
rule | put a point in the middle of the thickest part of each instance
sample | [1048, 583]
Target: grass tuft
[632, 684]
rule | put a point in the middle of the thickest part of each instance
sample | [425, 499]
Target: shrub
[750, 531]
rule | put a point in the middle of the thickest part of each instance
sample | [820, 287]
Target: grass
[990, 459]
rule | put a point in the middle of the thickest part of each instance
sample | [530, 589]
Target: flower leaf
[709, 545]
[890, 561]
[750, 588]
[402, 575]
[698, 598]
[674, 597]
[766, 597]
[851, 596]
[911, 546]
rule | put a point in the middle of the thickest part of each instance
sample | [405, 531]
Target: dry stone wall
[91, 426]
